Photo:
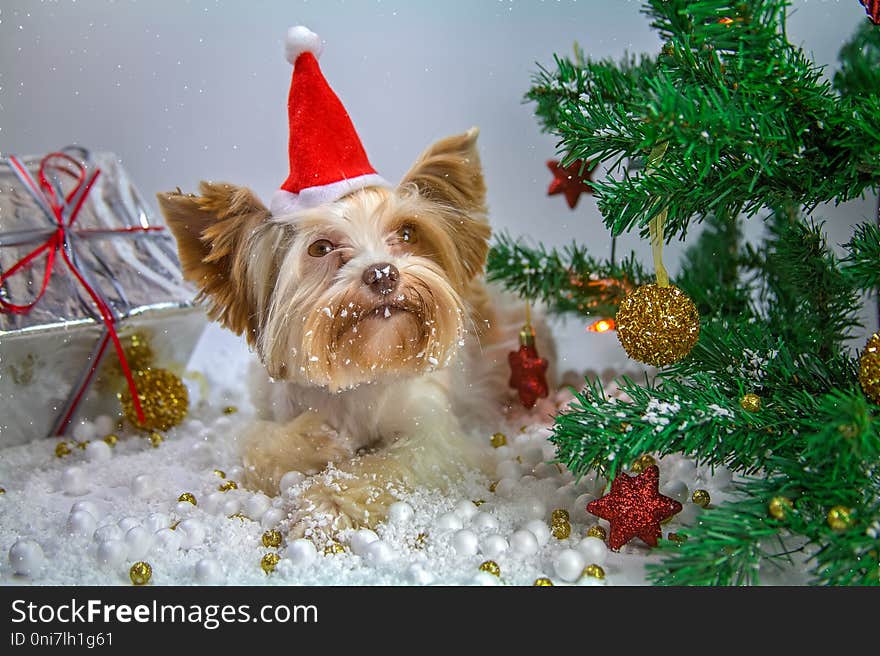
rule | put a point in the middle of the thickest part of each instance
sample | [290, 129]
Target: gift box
[85, 269]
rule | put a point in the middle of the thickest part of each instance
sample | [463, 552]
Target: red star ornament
[635, 508]
[872, 8]
[528, 374]
[568, 181]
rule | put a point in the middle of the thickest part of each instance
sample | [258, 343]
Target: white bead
[361, 539]
[685, 469]
[591, 581]
[301, 552]
[89, 506]
[108, 532]
[289, 480]
[183, 508]
[98, 451]
[211, 504]
[465, 510]
[104, 425]
[111, 553]
[230, 506]
[167, 540]
[271, 518]
[493, 545]
[465, 542]
[138, 542]
[675, 489]
[192, 533]
[502, 453]
[543, 470]
[484, 522]
[721, 478]
[506, 487]
[578, 509]
[593, 550]
[81, 522]
[235, 473]
[26, 557]
[156, 522]
[379, 553]
[448, 522]
[688, 514]
[209, 571]
[221, 424]
[539, 529]
[532, 456]
[84, 431]
[484, 578]
[73, 481]
[568, 564]
[142, 485]
[418, 575]
[524, 542]
[534, 508]
[508, 469]
[256, 506]
[400, 513]
[127, 523]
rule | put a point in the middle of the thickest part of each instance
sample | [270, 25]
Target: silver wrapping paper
[45, 353]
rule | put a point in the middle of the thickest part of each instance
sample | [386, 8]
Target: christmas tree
[730, 122]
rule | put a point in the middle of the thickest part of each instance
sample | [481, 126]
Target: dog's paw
[321, 513]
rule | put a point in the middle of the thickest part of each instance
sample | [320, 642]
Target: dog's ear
[449, 174]
[211, 231]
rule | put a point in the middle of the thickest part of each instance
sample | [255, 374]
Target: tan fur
[374, 391]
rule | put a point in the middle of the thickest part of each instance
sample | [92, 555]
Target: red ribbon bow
[63, 210]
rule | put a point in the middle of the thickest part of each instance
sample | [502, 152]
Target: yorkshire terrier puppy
[382, 348]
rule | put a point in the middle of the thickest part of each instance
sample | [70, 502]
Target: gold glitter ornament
[869, 369]
[492, 486]
[230, 410]
[272, 539]
[701, 498]
[220, 473]
[498, 440]
[2, 490]
[82, 445]
[560, 529]
[62, 449]
[642, 463]
[559, 515]
[163, 396]
[478, 502]
[333, 548]
[228, 485]
[543, 581]
[779, 507]
[156, 439]
[188, 497]
[269, 561]
[750, 402]
[111, 440]
[490, 566]
[597, 531]
[140, 573]
[840, 518]
[595, 571]
[657, 325]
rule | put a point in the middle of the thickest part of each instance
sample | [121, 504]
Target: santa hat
[327, 160]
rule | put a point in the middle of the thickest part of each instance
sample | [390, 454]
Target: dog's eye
[408, 234]
[320, 248]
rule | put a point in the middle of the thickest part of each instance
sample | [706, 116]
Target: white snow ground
[131, 499]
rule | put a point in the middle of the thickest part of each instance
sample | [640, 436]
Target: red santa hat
[327, 160]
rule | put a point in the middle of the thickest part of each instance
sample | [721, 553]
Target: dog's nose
[381, 278]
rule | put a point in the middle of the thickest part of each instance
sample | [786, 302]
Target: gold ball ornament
[642, 463]
[498, 440]
[560, 529]
[657, 325]
[595, 571]
[269, 561]
[333, 548]
[140, 573]
[2, 490]
[111, 440]
[543, 581]
[163, 396]
[188, 497]
[597, 531]
[272, 539]
[490, 566]
[138, 352]
[750, 402]
[840, 518]
[559, 515]
[869, 369]
[220, 473]
[228, 485]
[62, 449]
[156, 439]
[701, 498]
[230, 410]
[779, 507]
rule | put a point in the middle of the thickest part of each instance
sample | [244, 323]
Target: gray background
[183, 91]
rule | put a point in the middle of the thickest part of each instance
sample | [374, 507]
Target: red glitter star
[635, 508]
[872, 8]
[528, 374]
[569, 181]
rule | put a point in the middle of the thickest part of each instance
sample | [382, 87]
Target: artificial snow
[84, 519]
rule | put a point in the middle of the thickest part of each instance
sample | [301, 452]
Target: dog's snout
[381, 278]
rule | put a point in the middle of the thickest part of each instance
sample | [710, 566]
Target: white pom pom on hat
[301, 39]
